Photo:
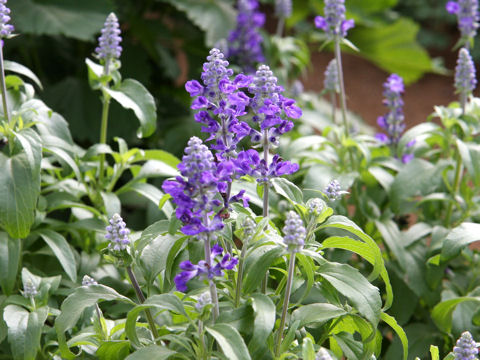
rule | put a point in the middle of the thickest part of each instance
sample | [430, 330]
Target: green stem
[265, 198]
[201, 337]
[343, 99]
[333, 101]
[211, 283]
[103, 132]
[280, 26]
[456, 185]
[288, 289]
[4, 85]
[238, 289]
[141, 298]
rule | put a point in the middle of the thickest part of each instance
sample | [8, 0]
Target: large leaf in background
[215, 17]
[133, 95]
[394, 48]
[20, 179]
[77, 19]
[10, 250]
[230, 341]
[24, 330]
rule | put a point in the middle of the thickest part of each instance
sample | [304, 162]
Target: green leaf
[316, 313]
[257, 264]
[10, 253]
[394, 48]
[149, 192]
[62, 251]
[112, 204]
[230, 341]
[308, 351]
[24, 330]
[350, 283]
[74, 305]
[157, 168]
[133, 95]
[470, 154]
[288, 190]
[263, 325]
[458, 238]
[442, 312]
[215, 17]
[398, 329]
[434, 352]
[76, 19]
[113, 350]
[22, 70]
[152, 352]
[20, 179]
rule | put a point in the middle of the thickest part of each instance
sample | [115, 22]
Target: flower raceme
[465, 348]
[294, 232]
[117, 233]
[245, 42]
[109, 42]
[202, 270]
[465, 80]
[467, 15]
[6, 29]
[331, 83]
[334, 22]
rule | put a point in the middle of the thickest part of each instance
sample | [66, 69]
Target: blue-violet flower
[467, 15]
[245, 42]
[202, 270]
[109, 42]
[465, 348]
[294, 232]
[117, 233]
[465, 80]
[393, 122]
[6, 29]
[334, 22]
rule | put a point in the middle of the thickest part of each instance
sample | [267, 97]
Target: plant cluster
[274, 237]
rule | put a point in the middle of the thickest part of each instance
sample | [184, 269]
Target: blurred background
[166, 41]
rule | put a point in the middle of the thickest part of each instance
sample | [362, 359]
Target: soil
[363, 85]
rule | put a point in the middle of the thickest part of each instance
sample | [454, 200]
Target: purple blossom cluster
[394, 121]
[465, 80]
[202, 270]
[294, 232]
[245, 42]
[334, 22]
[467, 15]
[109, 42]
[117, 233]
[465, 348]
[6, 29]
[220, 103]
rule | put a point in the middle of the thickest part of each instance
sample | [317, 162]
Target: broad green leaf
[157, 168]
[159, 155]
[78, 20]
[215, 17]
[257, 264]
[348, 346]
[10, 251]
[308, 351]
[22, 70]
[18, 193]
[393, 47]
[152, 352]
[383, 177]
[470, 154]
[112, 204]
[113, 350]
[350, 283]
[62, 155]
[459, 238]
[62, 251]
[398, 330]
[365, 251]
[133, 95]
[24, 330]
[316, 313]
[263, 325]
[74, 305]
[96, 150]
[230, 341]
[288, 190]
[442, 312]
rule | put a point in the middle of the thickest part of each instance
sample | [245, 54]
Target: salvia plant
[273, 237]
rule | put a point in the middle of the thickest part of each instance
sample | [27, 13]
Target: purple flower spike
[392, 122]
[6, 29]
[294, 232]
[465, 348]
[245, 42]
[333, 190]
[465, 80]
[109, 42]
[117, 233]
[467, 16]
[202, 270]
[334, 22]
[283, 8]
